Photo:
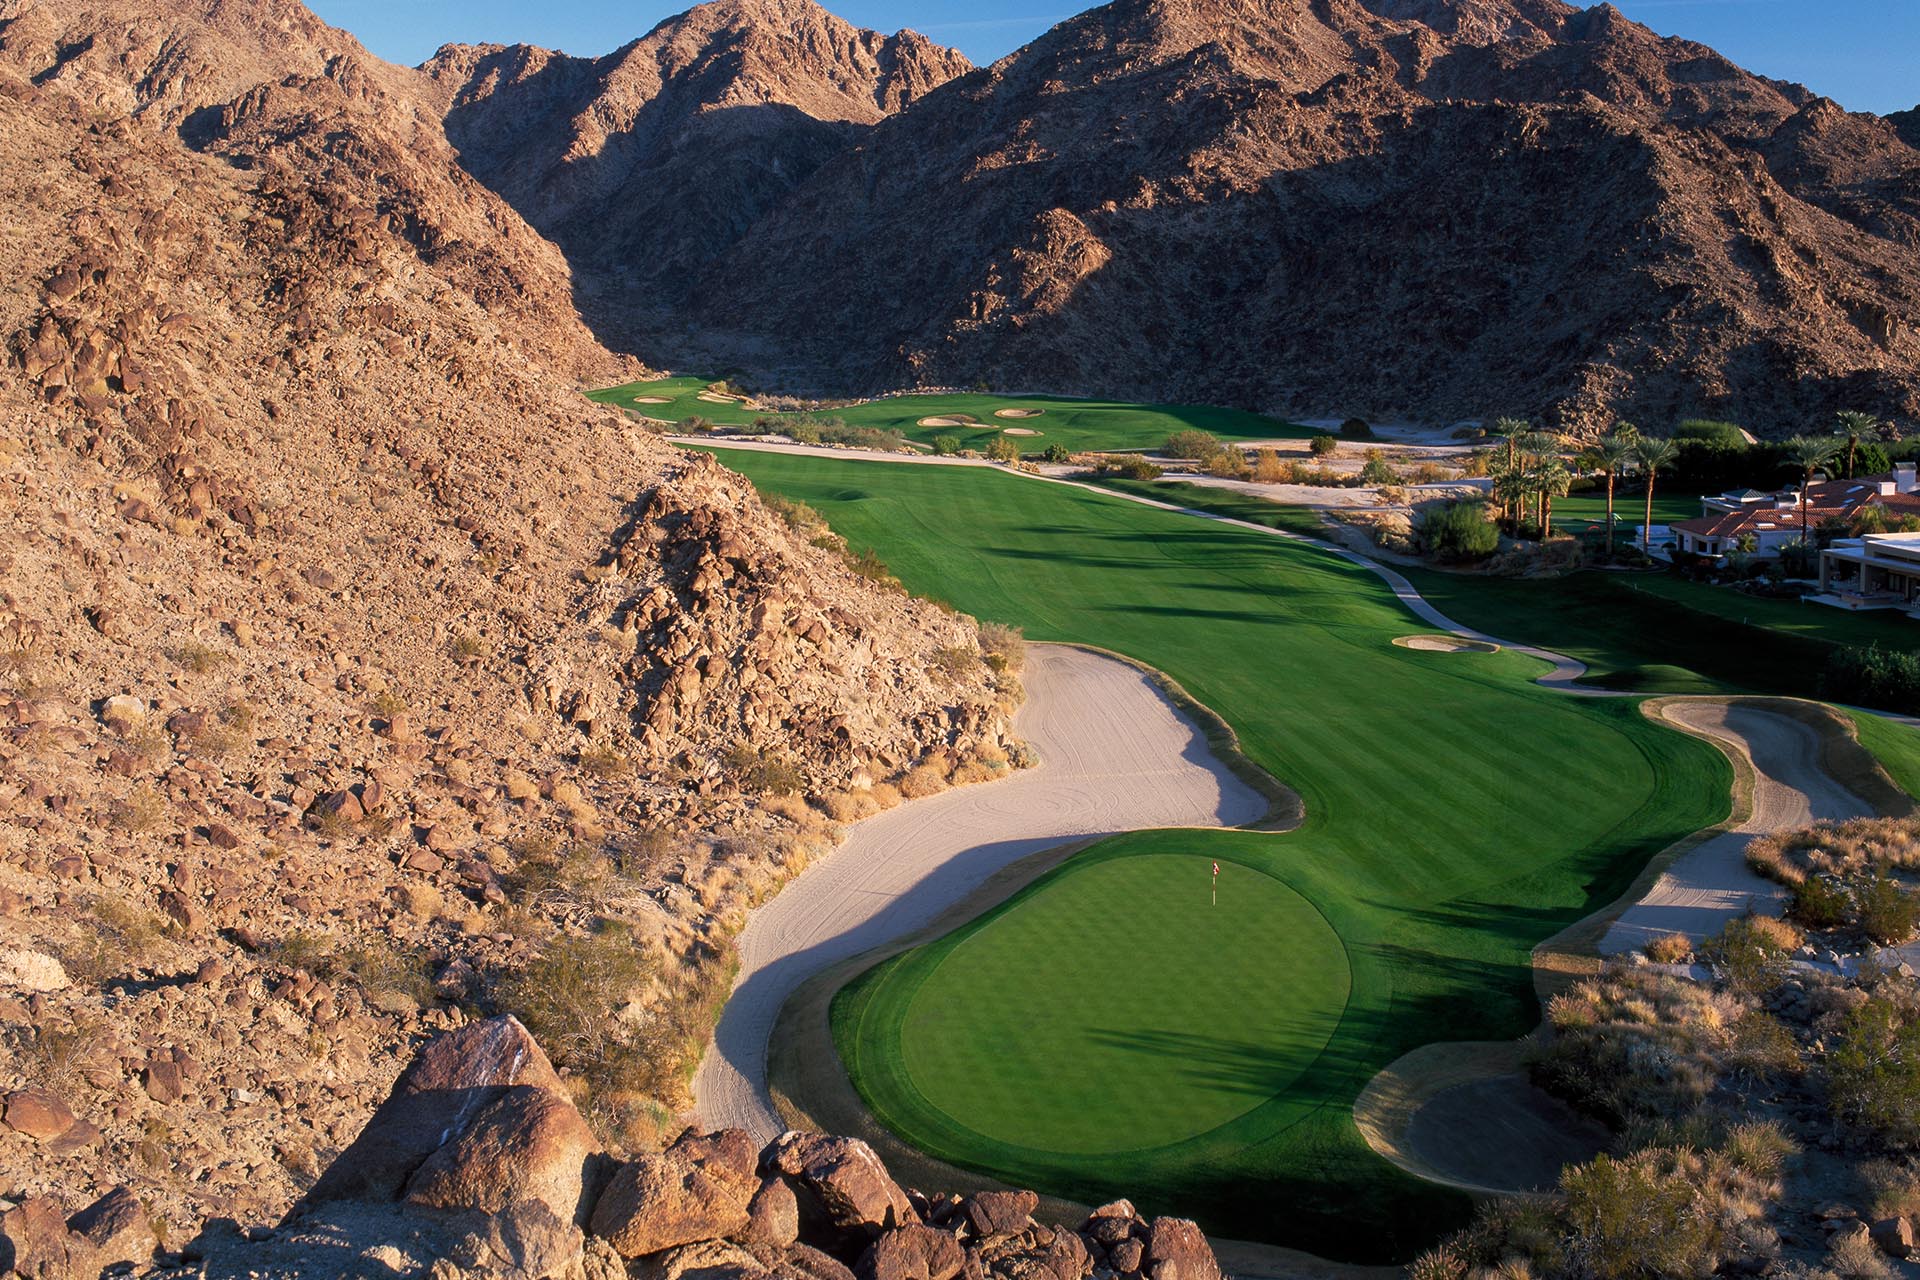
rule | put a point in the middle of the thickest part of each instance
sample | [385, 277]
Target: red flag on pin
[1216, 868]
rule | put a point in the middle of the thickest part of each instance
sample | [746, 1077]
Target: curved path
[1115, 756]
[1710, 884]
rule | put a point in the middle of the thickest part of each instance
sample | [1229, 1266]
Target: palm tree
[1652, 454]
[1854, 424]
[1613, 456]
[1809, 454]
[1510, 489]
[1510, 430]
[1552, 480]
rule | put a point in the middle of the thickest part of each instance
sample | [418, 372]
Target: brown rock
[773, 1216]
[703, 1260]
[478, 1121]
[912, 1252]
[40, 1116]
[36, 1245]
[1178, 1250]
[115, 1228]
[222, 836]
[1126, 1256]
[845, 1193]
[338, 806]
[1894, 1237]
[700, 1188]
[182, 910]
[164, 1080]
[994, 1213]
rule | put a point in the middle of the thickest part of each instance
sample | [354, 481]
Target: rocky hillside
[350, 664]
[478, 1165]
[1428, 208]
[1908, 123]
[646, 165]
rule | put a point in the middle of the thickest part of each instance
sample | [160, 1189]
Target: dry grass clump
[1004, 647]
[1838, 850]
[923, 780]
[861, 802]
[985, 764]
[1890, 1188]
[1632, 1045]
[1670, 948]
[768, 772]
[143, 810]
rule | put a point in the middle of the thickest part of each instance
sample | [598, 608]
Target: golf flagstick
[1216, 884]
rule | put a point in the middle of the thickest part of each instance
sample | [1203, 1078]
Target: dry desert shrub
[1671, 948]
[922, 781]
[1856, 1257]
[1005, 646]
[1890, 1188]
[1838, 850]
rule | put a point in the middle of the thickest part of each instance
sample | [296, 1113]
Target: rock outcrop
[1395, 210]
[350, 663]
[683, 1212]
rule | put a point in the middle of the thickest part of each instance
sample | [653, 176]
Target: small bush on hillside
[1456, 531]
[1270, 468]
[1819, 903]
[868, 564]
[1322, 446]
[1003, 449]
[1128, 466]
[1192, 444]
[1670, 948]
[1229, 464]
[799, 517]
[1006, 643]
[945, 446]
[1873, 1070]
[1356, 429]
[1887, 912]
[953, 661]
[1753, 951]
[763, 771]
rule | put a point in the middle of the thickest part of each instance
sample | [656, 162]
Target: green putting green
[1457, 814]
[977, 418]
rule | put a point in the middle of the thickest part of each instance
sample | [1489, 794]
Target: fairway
[977, 419]
[1456, 815]
[1174, 1058]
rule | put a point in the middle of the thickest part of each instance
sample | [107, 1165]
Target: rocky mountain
[350, 663]
[478, 1165]
[1908, 123]
[1422, 208]
[645, 165]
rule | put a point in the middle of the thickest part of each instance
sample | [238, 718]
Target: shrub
[1873, 676]
[869, 565]
[467, 649]
[1192, 444]
[1670, 948]
[1322, 446]
[1752, 952]
[922, 781]
[945, 446]
[1456, 531]
[763, 771]
[1873, 1070]
[953, 661]
[1007, 643]
[568, 995]
[1058, 454]
[1129, 466]
[1003, 449]
[1819, 903]
[1229, 464]
[198, 658]
[1726, 435]
[1887, 912]
[1269, 468]
[798, 516]
[1356, 429]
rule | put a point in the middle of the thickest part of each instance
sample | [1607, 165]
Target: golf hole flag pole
[1216, 884]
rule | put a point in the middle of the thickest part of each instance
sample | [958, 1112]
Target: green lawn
[1896, 746]
[1077, 424]
[1457, 815]
[1629, 508]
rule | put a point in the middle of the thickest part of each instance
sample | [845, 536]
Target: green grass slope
[1457, 815]
[1896, 746]
[1077, 424]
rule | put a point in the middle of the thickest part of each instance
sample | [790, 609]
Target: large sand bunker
[714, 397]
[1446, 644]
[1018, 413]
[1018, 431]
[651, 400]
[941, 422]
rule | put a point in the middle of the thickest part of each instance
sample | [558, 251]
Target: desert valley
[1270, 638]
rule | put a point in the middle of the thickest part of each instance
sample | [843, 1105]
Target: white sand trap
[1114, 756]
[714, 397]
[1018, 431]
[651, 400]
[1711, 884]
[942, 422]
[1446, 644]
[1018, 413]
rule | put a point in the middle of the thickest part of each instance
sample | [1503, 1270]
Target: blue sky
[1865, 54]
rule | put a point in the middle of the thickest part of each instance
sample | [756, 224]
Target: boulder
[701, 1260]
[845, 1194]
[116, 1229]
[31, 971]
[1894, 1237]
[912, 1252]
[995, 1213]
[35, 1243]
[700, 1188]
[40, 1116]
[1178, 1250]
[479, 1122]
[773, 1216]
[1127, 1256]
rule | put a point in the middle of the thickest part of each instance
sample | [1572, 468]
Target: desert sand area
[1115, 755]
[1711, 884]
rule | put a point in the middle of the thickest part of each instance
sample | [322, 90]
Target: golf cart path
[1115, 756]
[1711, 883]
[1564, 670]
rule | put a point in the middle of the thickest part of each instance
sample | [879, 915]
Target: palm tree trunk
[1646, 530]
[1806, 507]
[1609, 513]
[1546, 517]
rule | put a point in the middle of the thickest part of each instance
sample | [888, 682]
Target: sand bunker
[1114, 756]
[1446, 644]
[941, 422]
[1018, 431]
[1018, 413]
[651, 400]
[714, 397]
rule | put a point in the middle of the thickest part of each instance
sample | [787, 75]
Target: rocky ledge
[479, 1165]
